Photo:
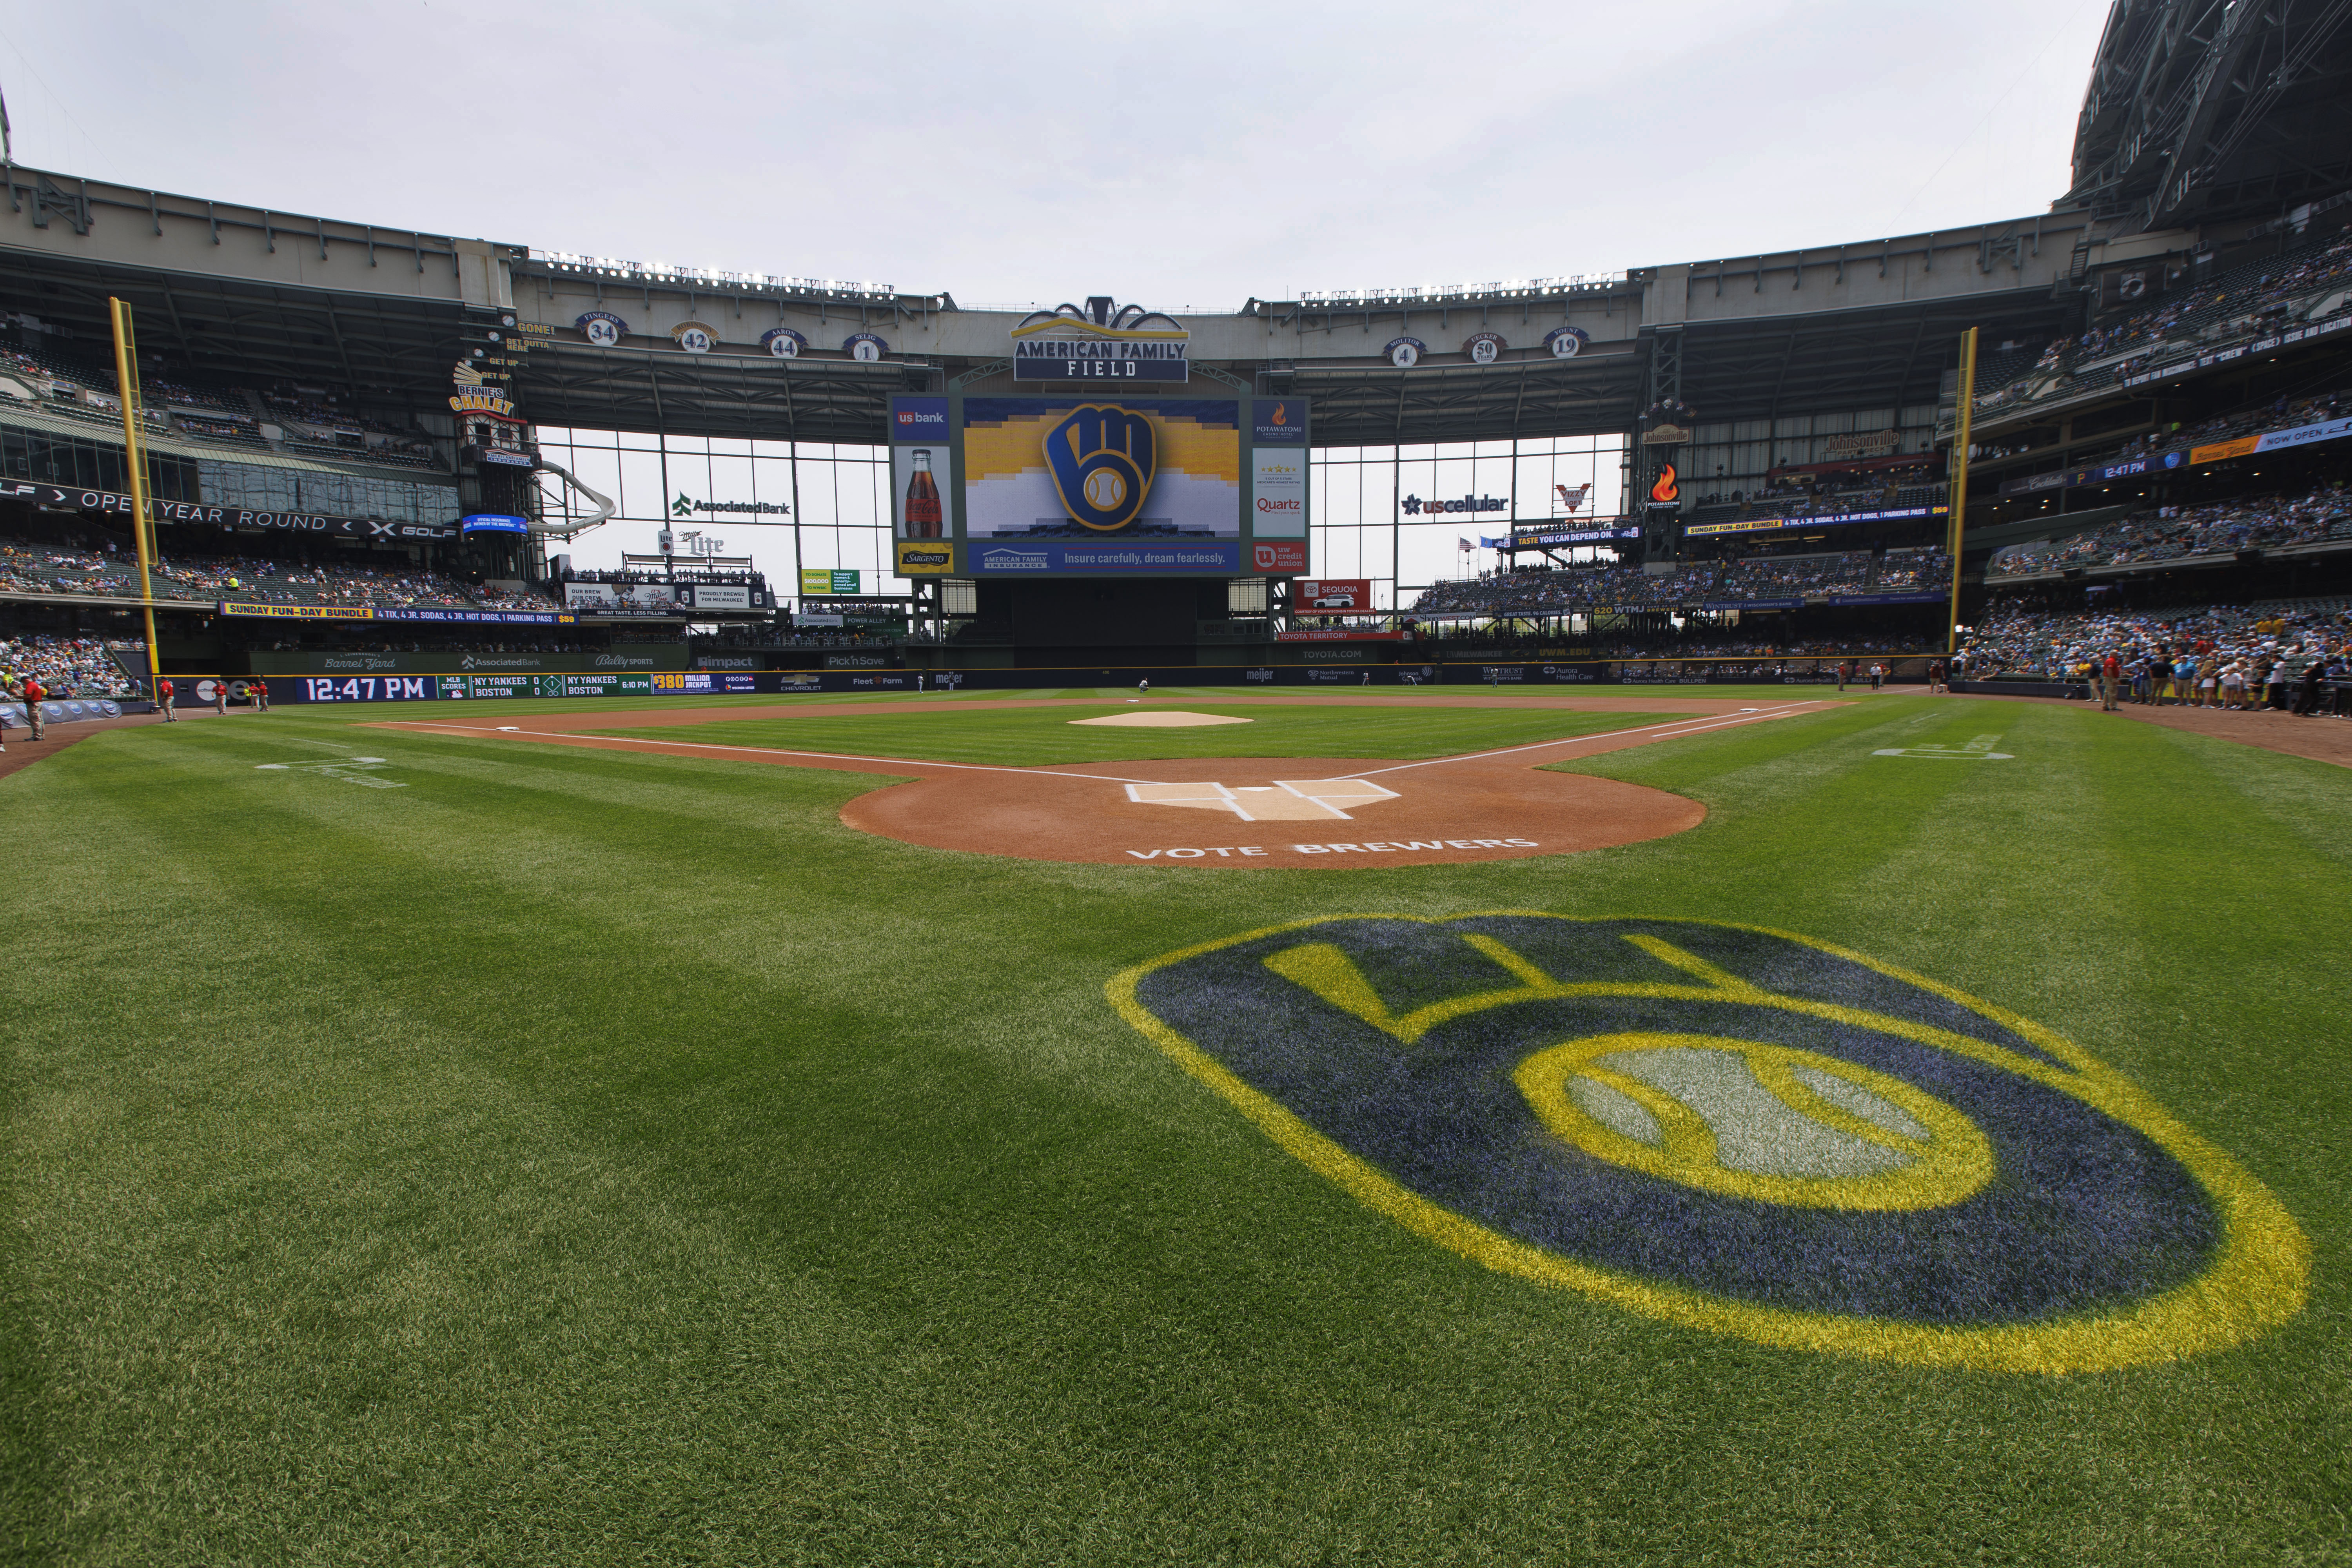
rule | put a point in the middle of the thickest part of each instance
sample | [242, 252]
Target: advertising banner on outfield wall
[1826, 520]
[620, 658]
[925, 557]
[918, 490]
[720, 596]
[1353, 665]
[1052, 559]
[621, 598]
[1278, 492]
[263, 611]
[226, 516]
[1310, 595]
[1278, 422]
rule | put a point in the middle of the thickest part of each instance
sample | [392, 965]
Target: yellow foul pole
[134, 460]
[1960, 439]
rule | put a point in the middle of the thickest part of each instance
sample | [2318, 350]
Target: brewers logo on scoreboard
[1146, 467]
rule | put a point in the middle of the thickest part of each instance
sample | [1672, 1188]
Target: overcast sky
[1176, 156]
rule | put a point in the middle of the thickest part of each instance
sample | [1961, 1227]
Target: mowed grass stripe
[1032, 737]
[554, 1047]
[457, 1254]
[636, 1164]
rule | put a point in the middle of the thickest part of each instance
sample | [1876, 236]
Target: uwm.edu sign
[116, 504]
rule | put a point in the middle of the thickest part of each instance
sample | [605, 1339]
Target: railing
[1445, 294]
[710, 277]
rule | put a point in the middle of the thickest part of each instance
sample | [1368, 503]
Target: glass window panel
[817, 508]
[641, 493]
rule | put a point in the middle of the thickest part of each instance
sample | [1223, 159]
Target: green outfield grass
[583, 1156]
[1031, 737]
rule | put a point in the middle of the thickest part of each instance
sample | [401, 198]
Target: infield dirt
[1277, 812]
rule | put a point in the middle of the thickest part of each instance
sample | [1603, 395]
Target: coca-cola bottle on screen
[923, 514]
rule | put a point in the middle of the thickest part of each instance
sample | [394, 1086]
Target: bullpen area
[1744, 1128]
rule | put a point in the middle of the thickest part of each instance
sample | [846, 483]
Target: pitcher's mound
[1162, 719]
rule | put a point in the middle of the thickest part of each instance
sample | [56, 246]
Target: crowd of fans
[66, 666]
[308, 421]
[2243, 302]
[1561, 590]
[2171, 533]
[1455, 642]
[1920, 486]
[2282, 413]
[30, 568]
[2216, 655]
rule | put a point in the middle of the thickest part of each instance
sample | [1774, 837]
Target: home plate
[1162, 719]
[1285, 800]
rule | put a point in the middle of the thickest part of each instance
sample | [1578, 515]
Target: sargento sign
[1099, 343]
[112, 501]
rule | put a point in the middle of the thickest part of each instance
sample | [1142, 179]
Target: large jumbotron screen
[1073, 485]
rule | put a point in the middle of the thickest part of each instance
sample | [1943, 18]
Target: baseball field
[1769, 1126]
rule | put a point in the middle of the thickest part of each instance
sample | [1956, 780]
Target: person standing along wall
[35, 695]
[2307, 696]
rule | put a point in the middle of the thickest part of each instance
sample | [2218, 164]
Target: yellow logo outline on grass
[2257, 1279]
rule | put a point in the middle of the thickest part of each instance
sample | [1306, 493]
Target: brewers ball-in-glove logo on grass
[1736, 1129]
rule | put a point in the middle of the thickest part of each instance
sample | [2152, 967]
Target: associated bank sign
[686, 506]
[1102, 341]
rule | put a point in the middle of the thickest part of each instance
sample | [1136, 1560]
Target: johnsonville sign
[113, 503]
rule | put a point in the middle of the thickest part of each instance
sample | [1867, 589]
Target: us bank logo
[1735, 1130]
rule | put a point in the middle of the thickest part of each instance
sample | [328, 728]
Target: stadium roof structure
[2197, 110]
[2201, 111]
[225, 289]
[241, 292]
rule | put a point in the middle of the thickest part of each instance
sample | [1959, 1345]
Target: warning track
[1293, 811]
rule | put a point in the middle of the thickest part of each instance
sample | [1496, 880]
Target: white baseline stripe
[1680, 726]
[900, 762]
